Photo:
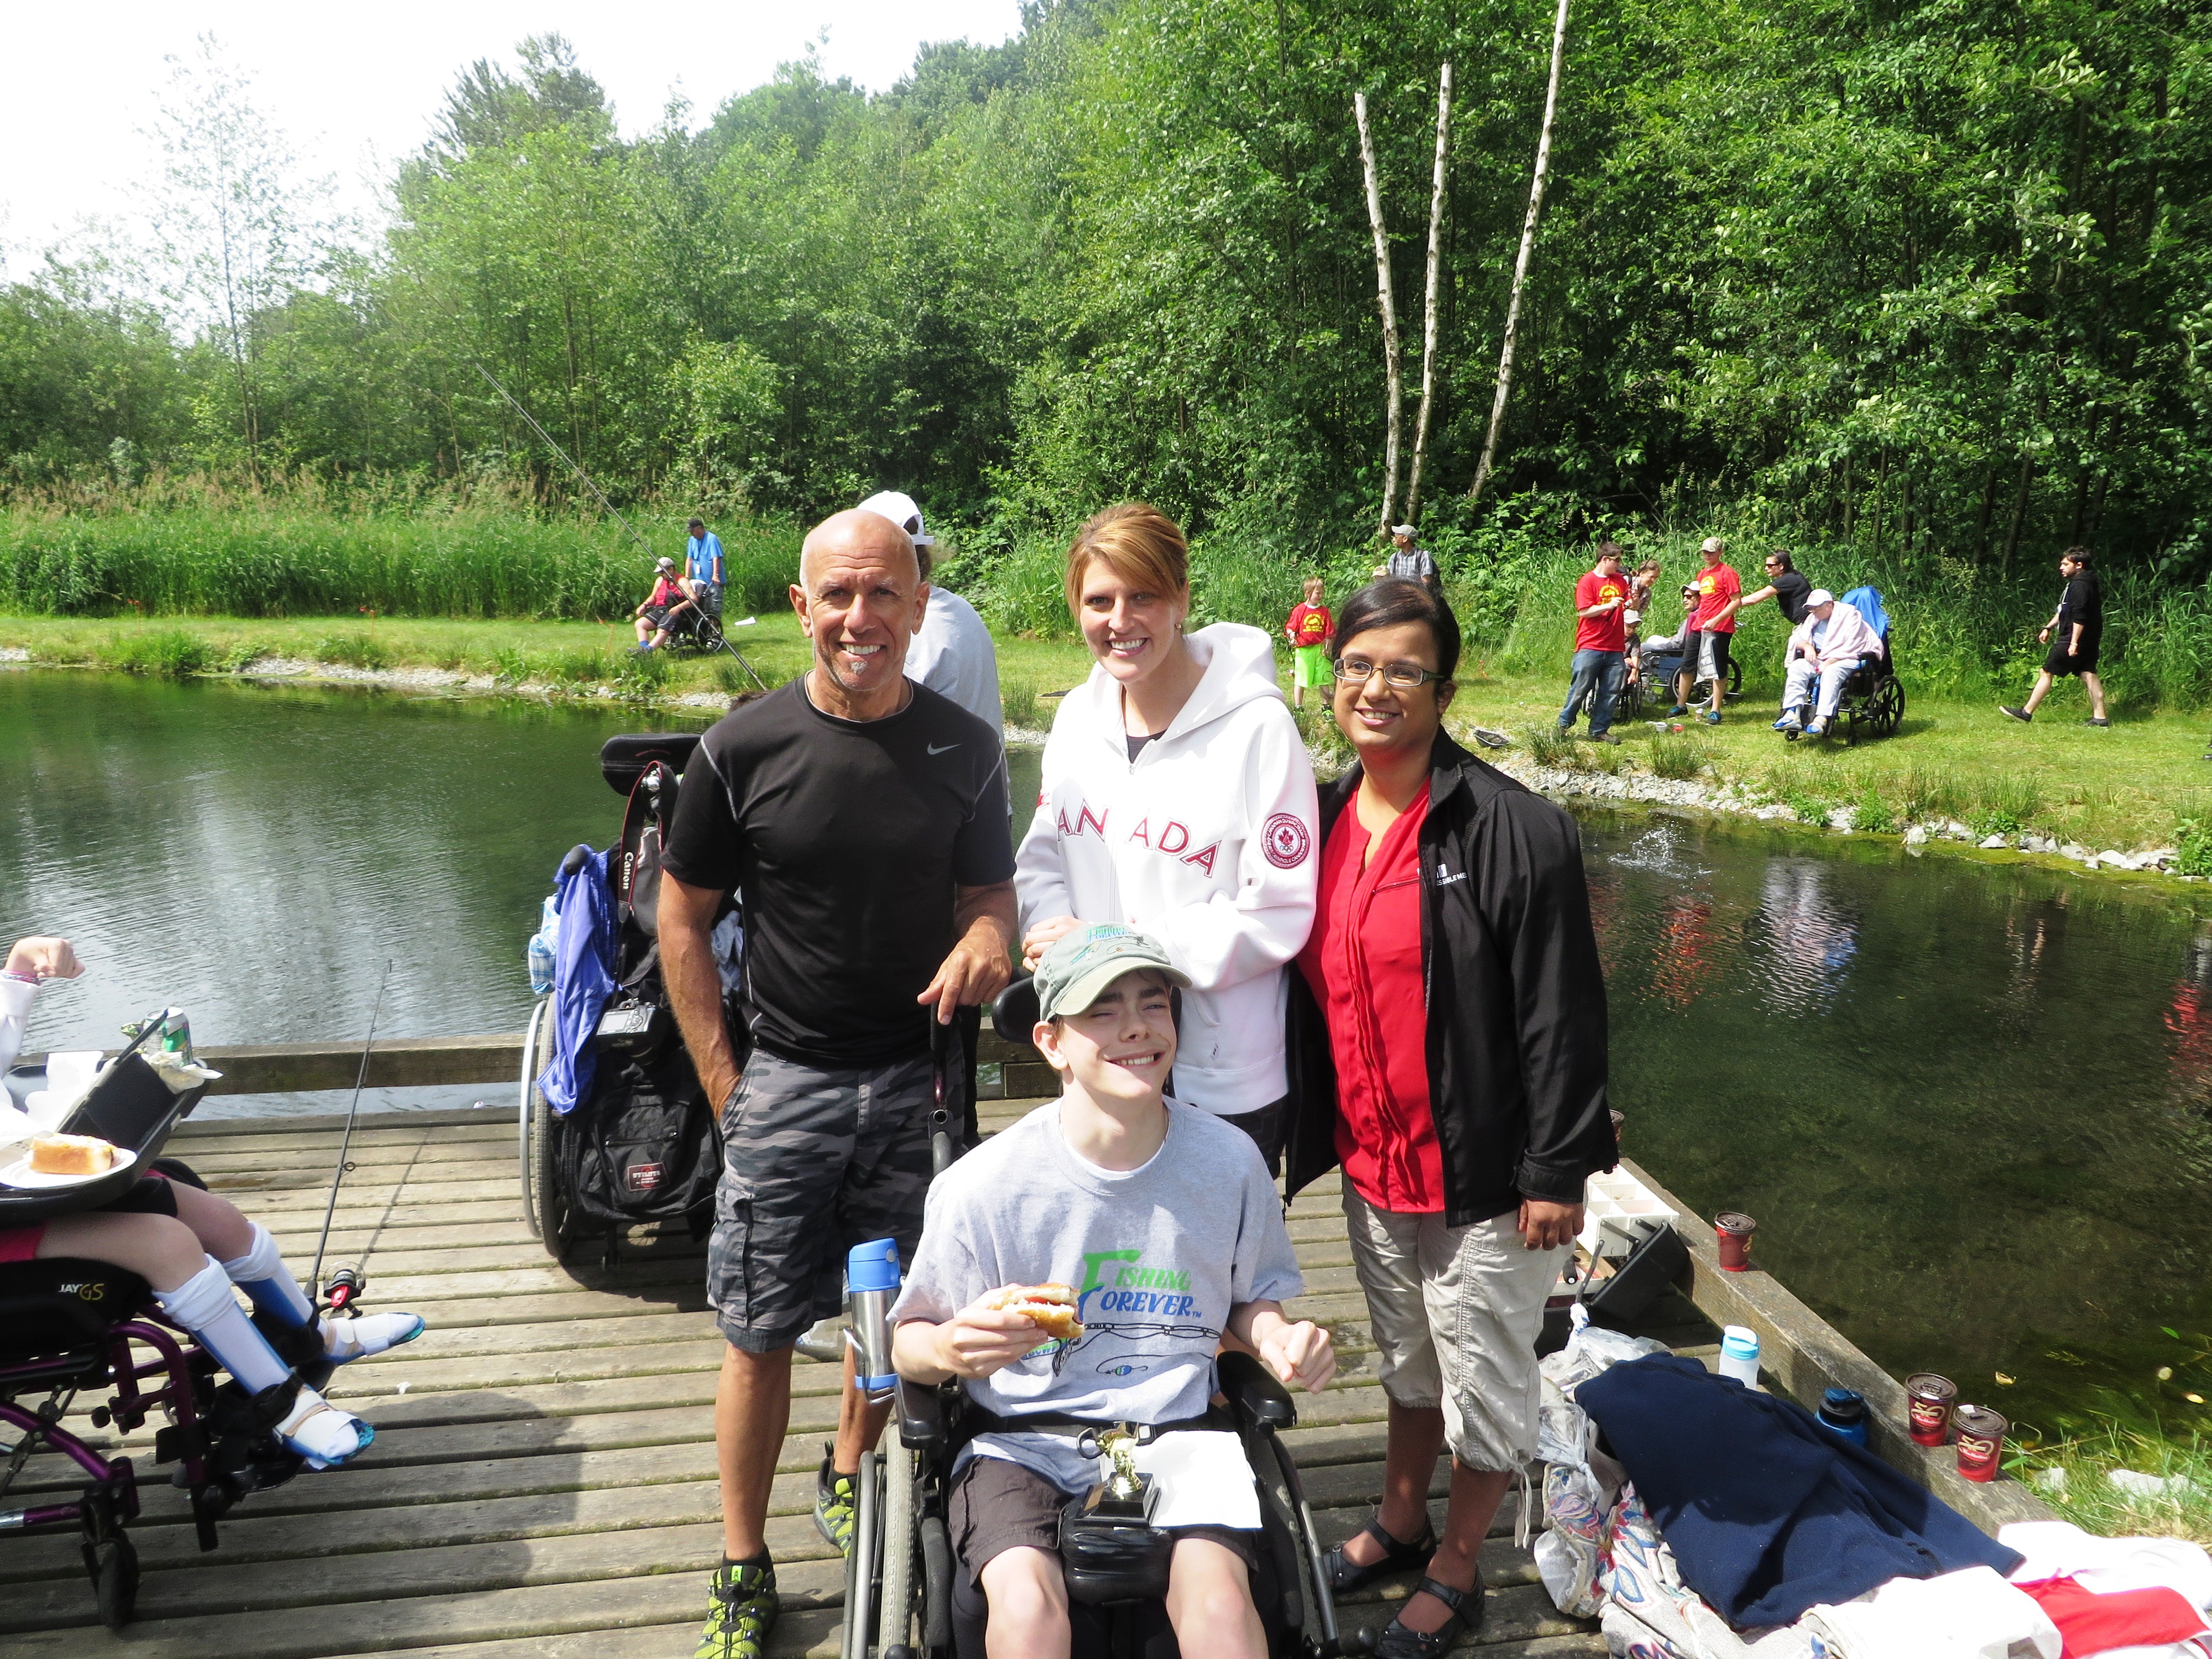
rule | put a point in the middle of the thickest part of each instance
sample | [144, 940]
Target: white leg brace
[262, 1275]
[206, 1305]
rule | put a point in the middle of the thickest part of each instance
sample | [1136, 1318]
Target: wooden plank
[650, 1593]
[1807, 1355]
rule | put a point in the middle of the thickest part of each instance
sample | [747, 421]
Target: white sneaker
[322, 1434]
[345, 1339]
[1817, 729]
[825, 1342]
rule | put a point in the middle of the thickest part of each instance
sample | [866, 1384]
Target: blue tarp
[1866, 602]
[583, 979]
[1768, 1513]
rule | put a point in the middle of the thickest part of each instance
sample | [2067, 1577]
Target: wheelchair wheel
[114, 1564]
[901, 1592]
[525, 1112]
[1885, 708]
[556, 1214]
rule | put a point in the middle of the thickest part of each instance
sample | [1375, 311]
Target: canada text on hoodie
[1206, 841]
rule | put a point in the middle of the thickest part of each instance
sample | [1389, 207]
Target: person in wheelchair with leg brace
[1159, 1224]
[195, 1251]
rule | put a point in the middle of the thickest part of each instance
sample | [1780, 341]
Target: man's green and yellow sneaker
[835, 1495]
[741, 1608]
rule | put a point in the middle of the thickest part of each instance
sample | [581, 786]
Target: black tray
[131, 1106]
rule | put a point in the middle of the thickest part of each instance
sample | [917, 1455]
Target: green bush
[1872, 815]
[2192, 848]
[1682, 756]
[354, 650]
[1548, 745]
[643, 674]
[1807, 807]
[172, 652]
[2005, 805]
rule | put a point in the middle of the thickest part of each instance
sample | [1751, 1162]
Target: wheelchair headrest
[1014, 1011]
[56, 1303]
[623, 760]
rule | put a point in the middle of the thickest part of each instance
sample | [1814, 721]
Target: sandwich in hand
[71, 1155]
[1050, 1307]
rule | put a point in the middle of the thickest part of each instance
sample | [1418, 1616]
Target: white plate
[21, 1175]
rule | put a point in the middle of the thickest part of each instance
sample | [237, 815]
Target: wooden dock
[543, 1483]
[542, 1479]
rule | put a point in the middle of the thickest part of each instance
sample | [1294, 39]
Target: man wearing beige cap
[1409, 562]
[1708, 630]
[1831, 640]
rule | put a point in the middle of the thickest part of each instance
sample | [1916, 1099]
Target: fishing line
[330, 1209]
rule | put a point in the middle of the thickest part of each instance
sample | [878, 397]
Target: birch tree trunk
[1429, 316]
[1394, 381]
[1526, 257]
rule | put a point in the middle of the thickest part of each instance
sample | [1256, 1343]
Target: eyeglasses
[1398, 675]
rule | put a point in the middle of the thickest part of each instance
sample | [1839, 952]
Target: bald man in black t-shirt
[864, 817]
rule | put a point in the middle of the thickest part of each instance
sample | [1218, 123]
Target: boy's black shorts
[996, 1506]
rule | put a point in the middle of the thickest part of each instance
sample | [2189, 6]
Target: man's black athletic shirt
[847, 838]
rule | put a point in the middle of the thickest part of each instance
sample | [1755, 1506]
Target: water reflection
[1808, 938]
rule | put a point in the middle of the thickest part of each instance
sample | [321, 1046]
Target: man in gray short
[865, 818]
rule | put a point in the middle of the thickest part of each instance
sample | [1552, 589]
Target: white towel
[1969, 1614]
[2059, 1549]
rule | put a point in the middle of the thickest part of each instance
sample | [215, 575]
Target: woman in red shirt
[1448, 1049]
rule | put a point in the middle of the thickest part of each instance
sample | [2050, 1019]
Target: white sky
[354, 89]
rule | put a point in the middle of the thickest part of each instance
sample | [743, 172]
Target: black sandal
[1399, 1642]
[1346, 1576]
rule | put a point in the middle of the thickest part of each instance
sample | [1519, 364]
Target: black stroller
[67, 1326]
[640, 1143]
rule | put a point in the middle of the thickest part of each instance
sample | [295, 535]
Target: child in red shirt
[1310, 629]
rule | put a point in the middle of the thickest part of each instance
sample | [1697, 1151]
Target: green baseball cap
[1079, 967]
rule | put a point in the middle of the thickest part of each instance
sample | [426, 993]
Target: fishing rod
[547, 439]
[341, 1294]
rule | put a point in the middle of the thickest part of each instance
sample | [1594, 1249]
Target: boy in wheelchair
[194, 1251]
[1164, 1222]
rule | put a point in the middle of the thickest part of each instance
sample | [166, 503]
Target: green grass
[2073, 1475]
[279, 558]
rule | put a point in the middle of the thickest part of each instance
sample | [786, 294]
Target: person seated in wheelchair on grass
[1826, 647]
[196, 1250]
[1164, 1221]
[670, 601]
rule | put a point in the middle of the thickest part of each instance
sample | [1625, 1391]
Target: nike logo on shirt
[942, 748]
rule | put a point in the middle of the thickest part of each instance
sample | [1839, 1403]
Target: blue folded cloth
[1766, 1513]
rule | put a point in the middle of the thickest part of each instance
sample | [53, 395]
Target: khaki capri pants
[1456, 1312]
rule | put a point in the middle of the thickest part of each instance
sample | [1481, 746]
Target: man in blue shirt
[702, 563]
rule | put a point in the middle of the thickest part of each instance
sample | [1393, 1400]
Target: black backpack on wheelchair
[642, 1145]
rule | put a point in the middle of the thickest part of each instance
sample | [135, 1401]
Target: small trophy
[1124, 1497]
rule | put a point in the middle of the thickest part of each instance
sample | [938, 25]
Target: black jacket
[1515, 995]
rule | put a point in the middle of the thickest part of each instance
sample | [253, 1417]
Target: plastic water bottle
[542, 945]
[1843, 1413]
[872, 1281]
[1740, 1354]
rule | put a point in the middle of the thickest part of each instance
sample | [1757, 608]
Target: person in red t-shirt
[667, 601]
[1601, 645]
[1709, 631]
[1310, 630]
[1446, 1039]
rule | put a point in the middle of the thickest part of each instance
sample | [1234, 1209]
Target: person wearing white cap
[1415, 564]
[950, 653]
[668, 600]
[1826, 646]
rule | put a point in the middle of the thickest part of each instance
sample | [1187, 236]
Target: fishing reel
[348, 1284]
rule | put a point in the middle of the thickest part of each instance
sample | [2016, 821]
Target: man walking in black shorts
[2074, 634]
[864, 817]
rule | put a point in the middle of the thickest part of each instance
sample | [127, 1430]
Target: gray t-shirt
[1157, 1256]
[952, 653]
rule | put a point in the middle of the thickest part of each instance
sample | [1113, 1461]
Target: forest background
[1922, 291]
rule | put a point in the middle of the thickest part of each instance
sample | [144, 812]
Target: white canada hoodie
[1208, 841]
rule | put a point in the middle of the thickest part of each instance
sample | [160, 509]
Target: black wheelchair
[1649, 687]
[905, 1598]
[69, 1327]
[640, 1144]
[698, 628]
[1873, 697]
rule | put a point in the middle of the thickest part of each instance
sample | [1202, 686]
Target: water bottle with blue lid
[1740, 1354]
[872, 1283]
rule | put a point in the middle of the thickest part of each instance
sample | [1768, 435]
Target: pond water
[1971, 1105]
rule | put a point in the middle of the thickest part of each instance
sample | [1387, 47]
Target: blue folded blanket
[1766, 1513]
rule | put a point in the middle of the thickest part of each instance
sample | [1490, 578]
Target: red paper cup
[1734, 1231]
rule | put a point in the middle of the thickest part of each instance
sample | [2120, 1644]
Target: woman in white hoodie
[1177, 797]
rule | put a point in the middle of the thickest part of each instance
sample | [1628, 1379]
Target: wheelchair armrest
[1254, 1396]
[922, 1418]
